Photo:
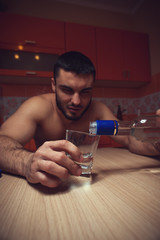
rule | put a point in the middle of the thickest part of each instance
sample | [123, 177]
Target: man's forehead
[69, 75]
[62, 72]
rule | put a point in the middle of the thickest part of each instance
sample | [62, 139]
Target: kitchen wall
[147, 98]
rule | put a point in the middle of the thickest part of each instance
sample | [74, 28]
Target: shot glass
[87, 143]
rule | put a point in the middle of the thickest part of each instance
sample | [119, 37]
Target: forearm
[138, 147]
[143, 148]
[13, 157]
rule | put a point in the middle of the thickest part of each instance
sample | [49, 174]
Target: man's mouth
[74, 109]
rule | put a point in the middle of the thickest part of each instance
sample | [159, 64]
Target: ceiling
[121, 6]
[117, 6]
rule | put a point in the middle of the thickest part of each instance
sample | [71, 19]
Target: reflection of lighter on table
[121, 200]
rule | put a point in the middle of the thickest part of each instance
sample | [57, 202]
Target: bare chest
[49, 131]
[55, 129]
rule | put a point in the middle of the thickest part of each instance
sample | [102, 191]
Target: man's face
[73, 94]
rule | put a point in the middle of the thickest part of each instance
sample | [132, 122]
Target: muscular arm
[13, 157]
[135, 146]
[49, 164]
[14, 133]
[144, 148]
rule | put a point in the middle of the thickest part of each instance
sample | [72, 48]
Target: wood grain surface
[121, 200]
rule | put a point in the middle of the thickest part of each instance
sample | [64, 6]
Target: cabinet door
[136, 56]
[109, 54]
[81, 38]
[40, 34]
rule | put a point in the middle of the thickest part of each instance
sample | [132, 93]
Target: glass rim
[85, 133]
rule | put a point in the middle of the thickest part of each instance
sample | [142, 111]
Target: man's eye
[67, 90]
[85, 92]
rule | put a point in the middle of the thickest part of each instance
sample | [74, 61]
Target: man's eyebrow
[67, 87]
[64, 86]
[87, 89]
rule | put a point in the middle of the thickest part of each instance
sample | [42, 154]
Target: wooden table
[120, 201]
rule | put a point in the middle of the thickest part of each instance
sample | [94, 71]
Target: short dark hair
[75, 62]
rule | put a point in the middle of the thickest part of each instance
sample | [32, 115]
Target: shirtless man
[46, 118]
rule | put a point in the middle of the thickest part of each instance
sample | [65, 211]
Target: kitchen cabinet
[25, 77]
[122, 56]
[79, 37]
[36, 41]
[28, 67]
[109, 54]
[136, 56]
[31, 33]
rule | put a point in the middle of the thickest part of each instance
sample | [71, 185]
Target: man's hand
[144, 148]
[50, 164]
[157, 144]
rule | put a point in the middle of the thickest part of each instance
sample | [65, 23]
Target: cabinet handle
[128, 74]
[124, 75]
[30, 42]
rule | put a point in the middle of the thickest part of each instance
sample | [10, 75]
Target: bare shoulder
[38, 106]
[34, 109]
[26, 119]
[102, 111]
[36, 101]
[31, 113]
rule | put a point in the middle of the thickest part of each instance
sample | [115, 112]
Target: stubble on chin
[72, 117]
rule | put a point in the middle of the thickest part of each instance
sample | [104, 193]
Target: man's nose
[76, 99]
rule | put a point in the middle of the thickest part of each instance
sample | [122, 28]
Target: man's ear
[53, 84]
